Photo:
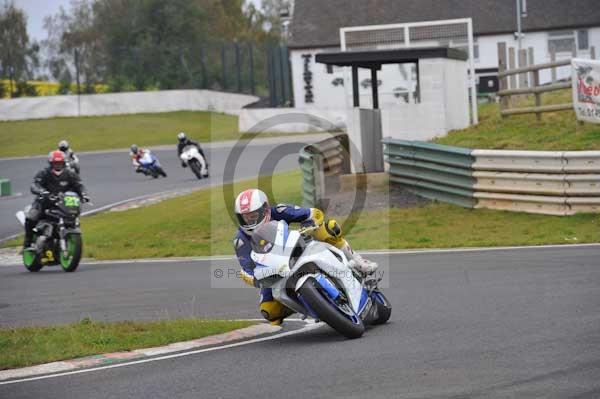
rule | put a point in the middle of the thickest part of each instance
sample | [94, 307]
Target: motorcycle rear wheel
[327, 311]
[70, 262]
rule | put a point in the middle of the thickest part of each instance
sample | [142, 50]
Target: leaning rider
[136, 154]
[253, 210]
[184, 141]
[53, 180]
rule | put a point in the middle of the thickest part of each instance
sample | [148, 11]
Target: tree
[17, 57]
[73, 45]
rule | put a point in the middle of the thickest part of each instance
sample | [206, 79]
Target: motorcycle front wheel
[195, 167]
[344, 321]
[31, 260]
[70, 260]
[384, 308]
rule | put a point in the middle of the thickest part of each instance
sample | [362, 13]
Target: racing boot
[28, 241]
[356, 262]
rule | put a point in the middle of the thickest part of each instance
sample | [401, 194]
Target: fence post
[238, 66]
[251, 57]
[512, 65]
[284, 65]
[523, 64]
[271, 78]
[552, 59]
[78, 82]
[593, 53]
[530, 63]
[224, 66]
[203, 67]
[538, 96]
[502, 81]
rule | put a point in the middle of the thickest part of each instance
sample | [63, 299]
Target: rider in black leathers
[54, 179]
[184, 141]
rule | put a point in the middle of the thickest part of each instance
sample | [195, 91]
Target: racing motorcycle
[57, 235]
[149, 165]
[313, 278]
[73, 164]
[192, 157]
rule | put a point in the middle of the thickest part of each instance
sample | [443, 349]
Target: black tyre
[195, 167]
[70, 261]
[161, 171]
[31, 260]
[384, 308]
[328, 311]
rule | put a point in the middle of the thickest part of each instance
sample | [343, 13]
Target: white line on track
[309, 326]
[368, 252]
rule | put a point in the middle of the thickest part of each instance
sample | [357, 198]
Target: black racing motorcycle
[57, 235]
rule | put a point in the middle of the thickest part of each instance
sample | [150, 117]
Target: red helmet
[252, 210]
[57, 161]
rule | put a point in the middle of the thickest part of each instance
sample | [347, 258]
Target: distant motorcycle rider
[70, 157]
[184, 141]
[137, 154]
[54, 179]
[252, 210]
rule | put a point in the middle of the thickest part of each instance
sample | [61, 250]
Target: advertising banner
[586, 89]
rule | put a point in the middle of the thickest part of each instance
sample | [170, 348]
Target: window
[582, 40]
[561, 41]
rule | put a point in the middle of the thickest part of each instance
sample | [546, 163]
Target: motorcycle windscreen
[263, 238]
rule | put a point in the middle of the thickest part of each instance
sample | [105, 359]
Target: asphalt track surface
[512, 323]
[109, 176]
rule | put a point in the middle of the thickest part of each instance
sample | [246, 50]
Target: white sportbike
[192, 157]
[313, 278]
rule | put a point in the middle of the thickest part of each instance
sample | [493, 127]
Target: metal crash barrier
[546, 182]
[321, 164]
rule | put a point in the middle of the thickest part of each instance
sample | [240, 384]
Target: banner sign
[586, 89]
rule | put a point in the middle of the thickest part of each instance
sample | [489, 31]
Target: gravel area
[341, 203]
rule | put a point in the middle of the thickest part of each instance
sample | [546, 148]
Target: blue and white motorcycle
[313, 278]
[149, 165]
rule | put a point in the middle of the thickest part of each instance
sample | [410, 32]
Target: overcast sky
[36, 10]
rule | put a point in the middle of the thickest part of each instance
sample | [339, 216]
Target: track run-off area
[505, 323]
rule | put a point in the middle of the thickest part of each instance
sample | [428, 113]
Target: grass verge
[199, 225]
[557, 131]
[26, 346]
[113, 131]
[448, 226]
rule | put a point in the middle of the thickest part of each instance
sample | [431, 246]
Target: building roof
[374, 59]
[317, 23]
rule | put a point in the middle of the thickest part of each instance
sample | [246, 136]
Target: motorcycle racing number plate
[72, 201]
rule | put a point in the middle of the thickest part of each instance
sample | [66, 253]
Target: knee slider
[272, 310]
[333, 228]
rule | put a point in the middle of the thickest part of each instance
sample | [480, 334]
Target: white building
[559, 24]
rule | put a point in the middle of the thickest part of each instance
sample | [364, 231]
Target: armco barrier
[433, 171]
[547, 182]
[321, 165]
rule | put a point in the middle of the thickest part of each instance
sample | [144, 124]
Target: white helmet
[181, 136]
[252, 210]
[63, 145]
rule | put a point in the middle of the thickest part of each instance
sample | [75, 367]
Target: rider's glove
[44, 193]
[248, 279]
[183, 164]
[316, 216]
